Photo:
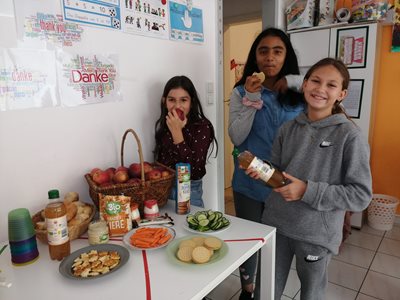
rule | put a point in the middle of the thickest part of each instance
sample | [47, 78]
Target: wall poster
[186, 22]
[41, 23]
[150, 18]
[352, 102]
[26, 82]
[351, 46]
[87, 78]
[104, 13]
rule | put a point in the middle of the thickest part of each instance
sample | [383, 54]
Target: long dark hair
[195, 113]
[290, 65]
[342, 69]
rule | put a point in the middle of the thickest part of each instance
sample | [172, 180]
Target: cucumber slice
[201, 217]
[204, 222]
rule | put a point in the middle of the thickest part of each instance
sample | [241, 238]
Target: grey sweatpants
[311, 264]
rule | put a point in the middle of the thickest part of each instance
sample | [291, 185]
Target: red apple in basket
[134, 170]
[95, 170]
[101, 177]
[180, 113]
[111, 171]
[153, 174]
[120, 176]
[147, 167]
[122, 168]
[165, 173]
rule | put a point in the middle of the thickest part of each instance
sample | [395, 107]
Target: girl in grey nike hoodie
[326, 158]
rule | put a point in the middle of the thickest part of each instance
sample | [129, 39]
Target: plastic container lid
[54, 194]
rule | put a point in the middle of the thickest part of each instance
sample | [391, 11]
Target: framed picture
[351, 46]
[352, 103]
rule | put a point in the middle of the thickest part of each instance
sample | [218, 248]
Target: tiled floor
[367, 269]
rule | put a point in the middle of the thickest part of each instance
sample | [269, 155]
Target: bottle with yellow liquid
[57, 227]
[270, 175]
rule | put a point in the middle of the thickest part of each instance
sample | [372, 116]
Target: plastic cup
[20, 225]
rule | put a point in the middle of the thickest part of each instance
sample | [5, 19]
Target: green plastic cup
[20, 225]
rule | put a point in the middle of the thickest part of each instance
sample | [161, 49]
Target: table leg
[268, 269]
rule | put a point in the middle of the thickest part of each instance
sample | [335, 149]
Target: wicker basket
[73, 231]
[158, 189]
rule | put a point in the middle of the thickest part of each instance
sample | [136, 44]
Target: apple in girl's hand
[180, 113]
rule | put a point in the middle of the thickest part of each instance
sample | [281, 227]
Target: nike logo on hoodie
[325, 144]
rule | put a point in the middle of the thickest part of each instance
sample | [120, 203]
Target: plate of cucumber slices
[207, 221]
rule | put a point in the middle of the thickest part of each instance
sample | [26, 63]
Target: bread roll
[260, 76]
[71, 211]
[71, 197]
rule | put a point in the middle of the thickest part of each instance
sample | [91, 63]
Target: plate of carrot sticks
[149, 237]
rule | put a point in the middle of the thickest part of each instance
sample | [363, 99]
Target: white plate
[186, 226]
[65, 267]
[128, 236]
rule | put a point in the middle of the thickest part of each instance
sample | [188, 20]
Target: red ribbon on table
[146, 275]
[246, 240]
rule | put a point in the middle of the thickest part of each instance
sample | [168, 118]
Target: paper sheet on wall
[150, 18]
[186, 22]
[26, 82]
[352, 102]
[87, 78]
[40, 24]
[106, 14]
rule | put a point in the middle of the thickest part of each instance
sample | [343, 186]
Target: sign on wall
[87, 78]
[98, 13]
[186, 22]
[26, 82]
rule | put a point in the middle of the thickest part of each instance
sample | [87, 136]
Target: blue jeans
[196, 193]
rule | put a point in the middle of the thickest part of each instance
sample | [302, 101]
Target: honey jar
[98, 232]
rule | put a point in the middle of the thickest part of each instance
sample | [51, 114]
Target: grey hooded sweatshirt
[332, 156]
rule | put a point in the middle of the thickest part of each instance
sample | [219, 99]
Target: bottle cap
[235, 152]
[54, 194]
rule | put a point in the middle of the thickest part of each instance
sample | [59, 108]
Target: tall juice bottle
[270, 175]
[183, 188]
[57, 227]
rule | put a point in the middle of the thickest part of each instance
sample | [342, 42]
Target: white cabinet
[312, 45]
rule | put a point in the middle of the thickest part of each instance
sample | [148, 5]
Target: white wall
[47, 148]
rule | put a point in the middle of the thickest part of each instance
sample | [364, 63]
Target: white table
[41, 280]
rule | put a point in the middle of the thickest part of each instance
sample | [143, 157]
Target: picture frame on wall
[351, 46]
[353, 100]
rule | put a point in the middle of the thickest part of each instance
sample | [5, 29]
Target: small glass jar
[151, 209]
[98, 232]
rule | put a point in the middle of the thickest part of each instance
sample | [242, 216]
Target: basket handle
[139, 150]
